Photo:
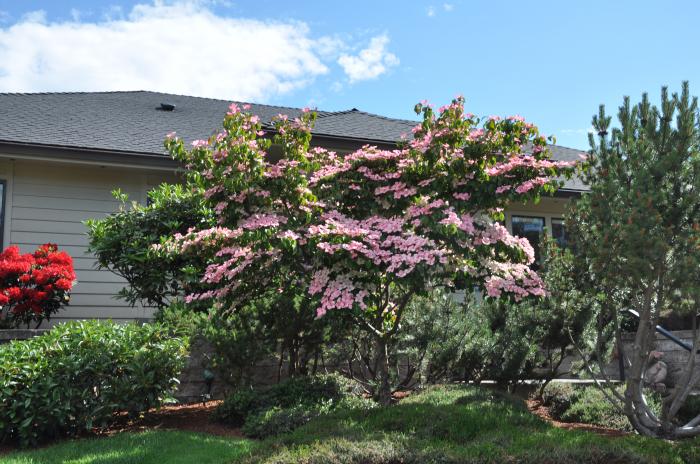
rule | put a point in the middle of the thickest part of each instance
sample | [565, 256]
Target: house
[62, 154]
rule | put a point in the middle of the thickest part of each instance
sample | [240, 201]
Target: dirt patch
[401, 394]
[196, 417]
[537, 408]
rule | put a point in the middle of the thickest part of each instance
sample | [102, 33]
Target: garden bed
[196, 417]
[537, 408]
[443, 424]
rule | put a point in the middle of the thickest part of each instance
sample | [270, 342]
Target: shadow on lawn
[443, 425]
[456, 426]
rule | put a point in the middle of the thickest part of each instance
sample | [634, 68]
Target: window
[559, 232]
[532, 229]
[2, 214]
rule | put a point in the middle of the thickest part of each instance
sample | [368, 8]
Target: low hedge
[78, 375]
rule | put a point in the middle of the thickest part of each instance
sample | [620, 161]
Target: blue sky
[553, 62]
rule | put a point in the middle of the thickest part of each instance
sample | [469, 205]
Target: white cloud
[181, 47]
[430, 11]
[370, 62]
[448, 6]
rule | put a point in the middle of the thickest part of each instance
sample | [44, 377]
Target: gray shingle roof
[360, 125]
[133, 121]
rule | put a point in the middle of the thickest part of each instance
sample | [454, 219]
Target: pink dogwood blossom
[343, 229]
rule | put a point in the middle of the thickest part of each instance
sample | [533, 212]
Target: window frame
[545, 230]
[551, 229]
[3, 211]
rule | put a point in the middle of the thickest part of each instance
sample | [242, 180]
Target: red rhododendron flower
[63, 284]
[14, 293]
[33, 286]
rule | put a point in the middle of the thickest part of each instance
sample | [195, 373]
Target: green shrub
[310, 390]
[237, 343]
[180, 320]
[76, 376]
[559, 397]
[122, 242]
[690, 409]
[288, 404]
[591, 407]
[277, 420]
[237, 406]
[588, 405]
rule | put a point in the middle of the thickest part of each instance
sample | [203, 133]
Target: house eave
[153, 161]
[568, 193]
[85, 155]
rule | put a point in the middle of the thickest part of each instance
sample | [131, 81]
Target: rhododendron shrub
[364, 232]
[33, 286]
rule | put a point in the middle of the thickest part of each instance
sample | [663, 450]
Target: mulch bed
[537, 408]
[194, 417]
[188, 417]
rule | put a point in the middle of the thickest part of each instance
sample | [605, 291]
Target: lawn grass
[456, 425]
[441, 425]
[150, 447]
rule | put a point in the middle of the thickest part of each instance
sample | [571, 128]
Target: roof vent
[167, 106]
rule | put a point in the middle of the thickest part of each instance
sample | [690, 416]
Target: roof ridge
[73, 92]
[88, 92]
[565, 147]
[379, 116]
[336, 113]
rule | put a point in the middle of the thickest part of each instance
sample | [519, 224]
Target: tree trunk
[382, 393]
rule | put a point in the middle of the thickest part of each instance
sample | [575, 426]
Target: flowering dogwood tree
[364, 232]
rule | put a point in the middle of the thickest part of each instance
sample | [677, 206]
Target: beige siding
[547, 208]
[49, 202]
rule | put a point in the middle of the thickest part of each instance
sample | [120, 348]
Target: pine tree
[637, 241]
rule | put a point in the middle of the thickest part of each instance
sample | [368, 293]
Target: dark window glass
[2, 214]
[559, 232]
[532, 229]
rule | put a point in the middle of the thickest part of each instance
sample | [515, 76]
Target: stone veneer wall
[675, 357]
[6, 336]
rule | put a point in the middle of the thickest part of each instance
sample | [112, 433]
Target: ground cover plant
[440, 425]
[287, 405]
[80, 374]
[587, 404]
[458, 424]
